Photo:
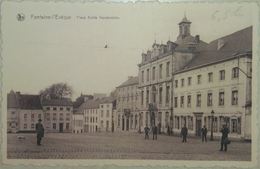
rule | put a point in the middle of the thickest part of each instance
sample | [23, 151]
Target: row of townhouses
[185, 82]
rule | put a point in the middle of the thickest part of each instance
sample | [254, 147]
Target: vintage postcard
[140, 84]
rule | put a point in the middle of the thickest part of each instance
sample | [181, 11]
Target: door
[127, 123]
[123, 124]
[198, 127]
[61, 128]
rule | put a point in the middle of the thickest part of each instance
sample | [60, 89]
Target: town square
[122, 146]
[181, 91]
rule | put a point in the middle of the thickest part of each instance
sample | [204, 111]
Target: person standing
[204, 132]
[155, 130]
[184, 133]
[224, 138]
[39, 132]
[146, 131]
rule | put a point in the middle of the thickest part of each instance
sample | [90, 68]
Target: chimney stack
[197, 38]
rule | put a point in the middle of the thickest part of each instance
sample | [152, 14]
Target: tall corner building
[194, 83]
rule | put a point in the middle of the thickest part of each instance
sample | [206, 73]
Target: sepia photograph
[128, 81]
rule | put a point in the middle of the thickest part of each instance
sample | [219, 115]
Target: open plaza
[121, 145]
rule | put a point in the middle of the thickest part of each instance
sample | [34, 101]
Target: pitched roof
[23, 101]
[236, 43]
[94, 104]
[90, 104]
[57, 102]
[30, 102]
[130, 81]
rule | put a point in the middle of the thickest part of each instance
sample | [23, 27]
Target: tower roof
[184, 20]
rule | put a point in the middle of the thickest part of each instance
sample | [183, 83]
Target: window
[25, 126]
[222, 75]
[32, 126]
[153, 73]
[32, 116]
[175, 101]
[233, 125]
[199, 79]
[142, 76]
[235, 72]
[221, 98]
[189, 81]
[160, 71]
[147, 97]
[167, 69]
[67, 117]
[107, 113]
[67, 126]
[182, 101]
[25, 116]
[142, 98]
[210, 76]
[167, 94]
[198, 100]
[209, 100]
[176, 83]
[189, 101]
[160, 95]
[190, 123]
[54, 116]
[47, 108]
[61, 108]
[234, 97]
[39, 116]
[54, 125]
[182, 82]
[118, 120]
[54, 108]
[102, 113]
[101, 105]
[147, 74]
[61, 116]
[68, 108]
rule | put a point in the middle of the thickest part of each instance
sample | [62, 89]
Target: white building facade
[128, 117]
[58, 115]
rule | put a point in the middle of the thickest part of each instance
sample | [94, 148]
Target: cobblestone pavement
[121, 146]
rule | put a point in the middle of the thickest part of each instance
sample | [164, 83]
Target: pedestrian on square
[39, 132]
[168, 130]
[155, 130]
[184, 133]
[224, 139]
[146, 131]
[204, 132]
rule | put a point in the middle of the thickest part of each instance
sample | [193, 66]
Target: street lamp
[212, 117]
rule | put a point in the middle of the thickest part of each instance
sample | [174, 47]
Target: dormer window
[221, 43]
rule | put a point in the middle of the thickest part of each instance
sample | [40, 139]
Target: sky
[39, 52]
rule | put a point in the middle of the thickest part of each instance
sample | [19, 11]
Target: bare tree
[57, 91]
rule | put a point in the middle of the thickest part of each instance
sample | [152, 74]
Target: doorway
[61, 127]
[198, 127]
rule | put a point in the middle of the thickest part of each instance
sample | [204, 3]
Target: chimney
[197, 39]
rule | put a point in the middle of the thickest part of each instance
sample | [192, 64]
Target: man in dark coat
[155, 129]
[39, 132]
[184, 133]
[224, 138]
[146, 131]
[204, 132]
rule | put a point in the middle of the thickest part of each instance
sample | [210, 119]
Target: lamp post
[212, 117]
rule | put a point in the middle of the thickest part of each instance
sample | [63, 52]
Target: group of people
[154, 131]
[184, 133]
